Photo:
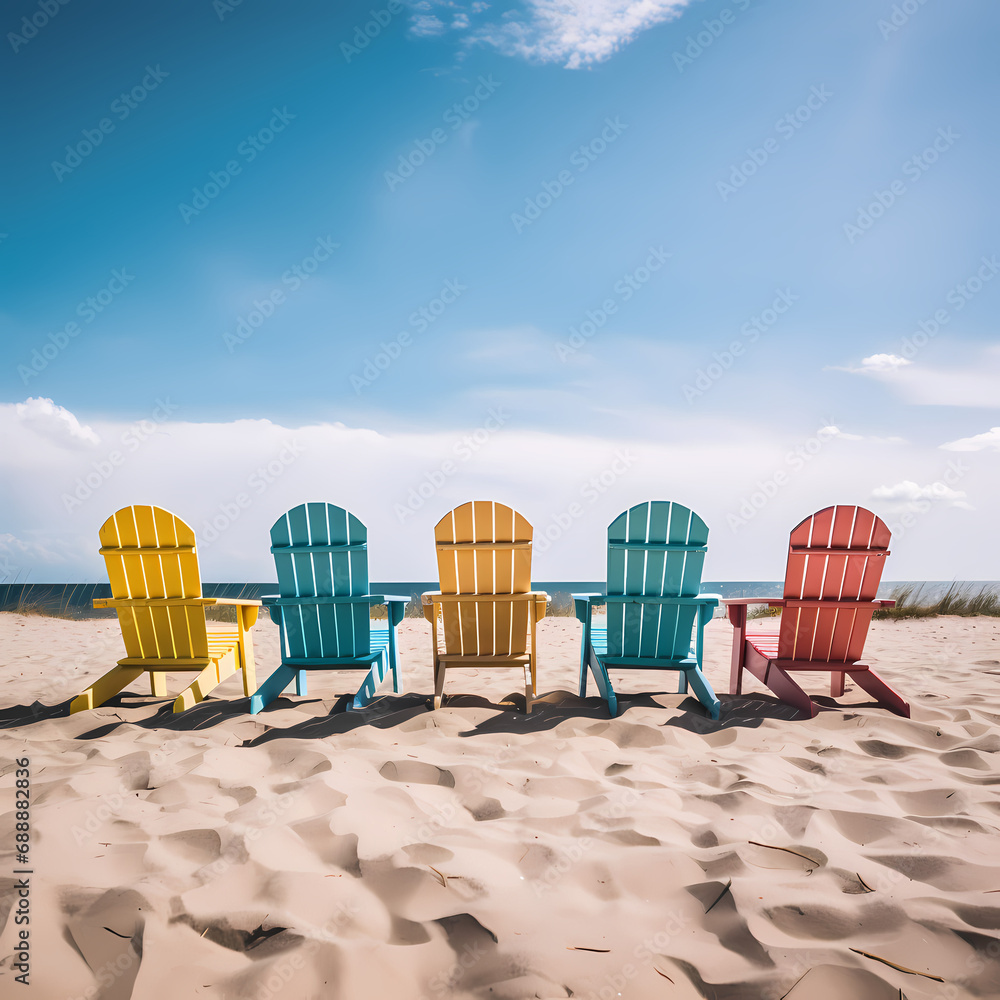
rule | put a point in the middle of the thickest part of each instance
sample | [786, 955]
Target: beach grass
[956, 600]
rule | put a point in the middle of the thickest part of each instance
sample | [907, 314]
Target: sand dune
[478, 852]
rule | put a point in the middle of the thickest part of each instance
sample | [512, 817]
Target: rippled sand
[478, 852]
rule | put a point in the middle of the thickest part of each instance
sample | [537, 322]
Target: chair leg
[603, 681]
[878, 689]
[682, 682]
[836, 683]
[703, 691]
[438, 682]
[196, 691]
[301, 684]
[528, 687]
[786, 689]
[374, 677]
[158, 683]
[245, 654]
[115, 680]
[738, 616]
[273, 686]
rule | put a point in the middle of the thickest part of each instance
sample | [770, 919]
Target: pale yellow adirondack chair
[486, 605]
[153, 568]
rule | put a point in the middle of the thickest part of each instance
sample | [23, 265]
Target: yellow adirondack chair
[485, 604]
[153, 568]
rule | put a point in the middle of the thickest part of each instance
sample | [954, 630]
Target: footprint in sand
[418, 772]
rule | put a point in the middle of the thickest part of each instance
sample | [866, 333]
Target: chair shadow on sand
[548, 711]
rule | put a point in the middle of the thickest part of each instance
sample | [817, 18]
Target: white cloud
[975, 381]
[883, 363]
[55, 423]
[834, 431]
[978, 442]
[426, 25]
[908, 496]
[574, 32]
[876, 364]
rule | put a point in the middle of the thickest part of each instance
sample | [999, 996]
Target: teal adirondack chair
[655, 556]
[323, 609]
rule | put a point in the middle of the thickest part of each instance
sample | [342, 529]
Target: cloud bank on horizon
[231, 480]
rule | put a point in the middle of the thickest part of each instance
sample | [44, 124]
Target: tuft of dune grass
[956, 600]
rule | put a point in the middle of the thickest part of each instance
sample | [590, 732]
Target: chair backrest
[654, 549]
[149, 553]
[321, 550]
[484, 548]
[838, 554]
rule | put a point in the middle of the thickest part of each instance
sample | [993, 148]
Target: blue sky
[750, 207]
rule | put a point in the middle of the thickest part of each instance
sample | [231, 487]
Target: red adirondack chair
[835, 562]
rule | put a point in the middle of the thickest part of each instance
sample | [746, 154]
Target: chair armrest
[583, 604]
[238, 601]
[386, 598]
[541, 604]
[396, 607]
[771, 602]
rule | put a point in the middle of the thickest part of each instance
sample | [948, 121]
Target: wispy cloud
[973, 381]
[909, 496]
[576, 33]
[978, 442]
[835, 432]
[875, 364]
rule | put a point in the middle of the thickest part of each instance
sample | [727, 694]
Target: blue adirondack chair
[655, 555]
[323, 609]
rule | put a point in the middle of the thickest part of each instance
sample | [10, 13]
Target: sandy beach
[479, 852]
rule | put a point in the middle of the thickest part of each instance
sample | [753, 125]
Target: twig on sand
[788, 850]
[665, 976]
[725, 889]
[864, 884]
[116, 934]
[573, 947]
[796, 983]
[898, 968]
[443, 879]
